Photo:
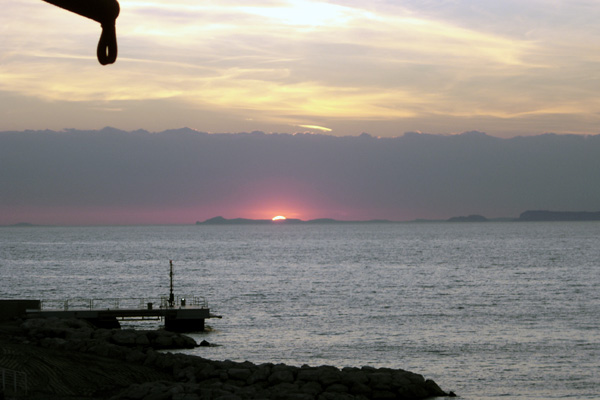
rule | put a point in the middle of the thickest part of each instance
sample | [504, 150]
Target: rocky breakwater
[154, 373]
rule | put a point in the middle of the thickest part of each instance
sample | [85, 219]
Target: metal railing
[13, 382]
[184, 301]
[122, 303]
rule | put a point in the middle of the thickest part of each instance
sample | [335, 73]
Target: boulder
[281, 375]
[124, 337]
[193, 377]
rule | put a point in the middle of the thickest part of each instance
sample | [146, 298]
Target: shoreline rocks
[192, 377]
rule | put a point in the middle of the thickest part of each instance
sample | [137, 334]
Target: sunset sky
[506, 68]
[502, 70]
[183, 176]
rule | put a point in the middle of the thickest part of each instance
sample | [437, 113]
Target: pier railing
[13, 382]
[184, 301]
[123, 303]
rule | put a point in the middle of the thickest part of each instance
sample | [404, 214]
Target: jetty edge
[180, 314]
[72, 359]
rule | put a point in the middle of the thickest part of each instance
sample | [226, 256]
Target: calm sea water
[488, 310]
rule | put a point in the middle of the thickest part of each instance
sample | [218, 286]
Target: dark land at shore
[71, 359]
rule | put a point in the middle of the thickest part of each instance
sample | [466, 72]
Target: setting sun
[279, 218]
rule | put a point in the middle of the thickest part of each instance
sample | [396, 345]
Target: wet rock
[124, 337]
[380, 381]
[142, 339]
[360, 389]
[311, 388]
[308, 374]
[135, 356]
[433, 389]
[163, 342]
[335, 396]
[281, 390]
[281, 375]
[337, 388]
[260, 374]
[384, 395]
[195, 378]
[240, 374]
[329, 375]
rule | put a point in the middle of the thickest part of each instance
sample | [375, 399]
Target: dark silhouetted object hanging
[103, 11]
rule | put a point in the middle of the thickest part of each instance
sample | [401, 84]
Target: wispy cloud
[288, 62]
[316, 127]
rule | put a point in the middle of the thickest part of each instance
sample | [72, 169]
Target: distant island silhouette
[289, 221]
[527, 216]
[544, 215]
[470, 218]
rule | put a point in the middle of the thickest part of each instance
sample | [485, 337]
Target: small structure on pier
[180, 314]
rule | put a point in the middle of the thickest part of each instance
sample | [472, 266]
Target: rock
[81, 334]
[260, 374]
[335, 396]
[228, 396]
[433, 389]
[360, 389]
[163, 341]
[240, 374]
[329, 375]
[134, 392]
[308, 374]
[207, 372]
[399, 379]
[311, 388]
[193, 377]
[102, 334]
[354, 375]
[384, 395]
[124, 337]
[337, 388]
[142, 339]
[186, 396]
[282, 390]
[296, 396]
[380, 381]
[135, 356]
[281, 375]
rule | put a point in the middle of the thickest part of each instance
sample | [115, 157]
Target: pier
[180, 314]
[183, 314]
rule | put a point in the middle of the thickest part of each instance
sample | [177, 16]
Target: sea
[490, 310]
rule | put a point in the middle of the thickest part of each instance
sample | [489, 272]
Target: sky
[508, 68]
[182, 176]
[364, 109]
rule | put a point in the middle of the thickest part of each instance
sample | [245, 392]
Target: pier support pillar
[104, 322]
[175, 324]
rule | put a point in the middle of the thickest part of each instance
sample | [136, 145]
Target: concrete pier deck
[186, 314]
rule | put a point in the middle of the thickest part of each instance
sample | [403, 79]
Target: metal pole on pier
[171, 296]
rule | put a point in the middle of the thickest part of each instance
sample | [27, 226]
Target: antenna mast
[171, 296]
